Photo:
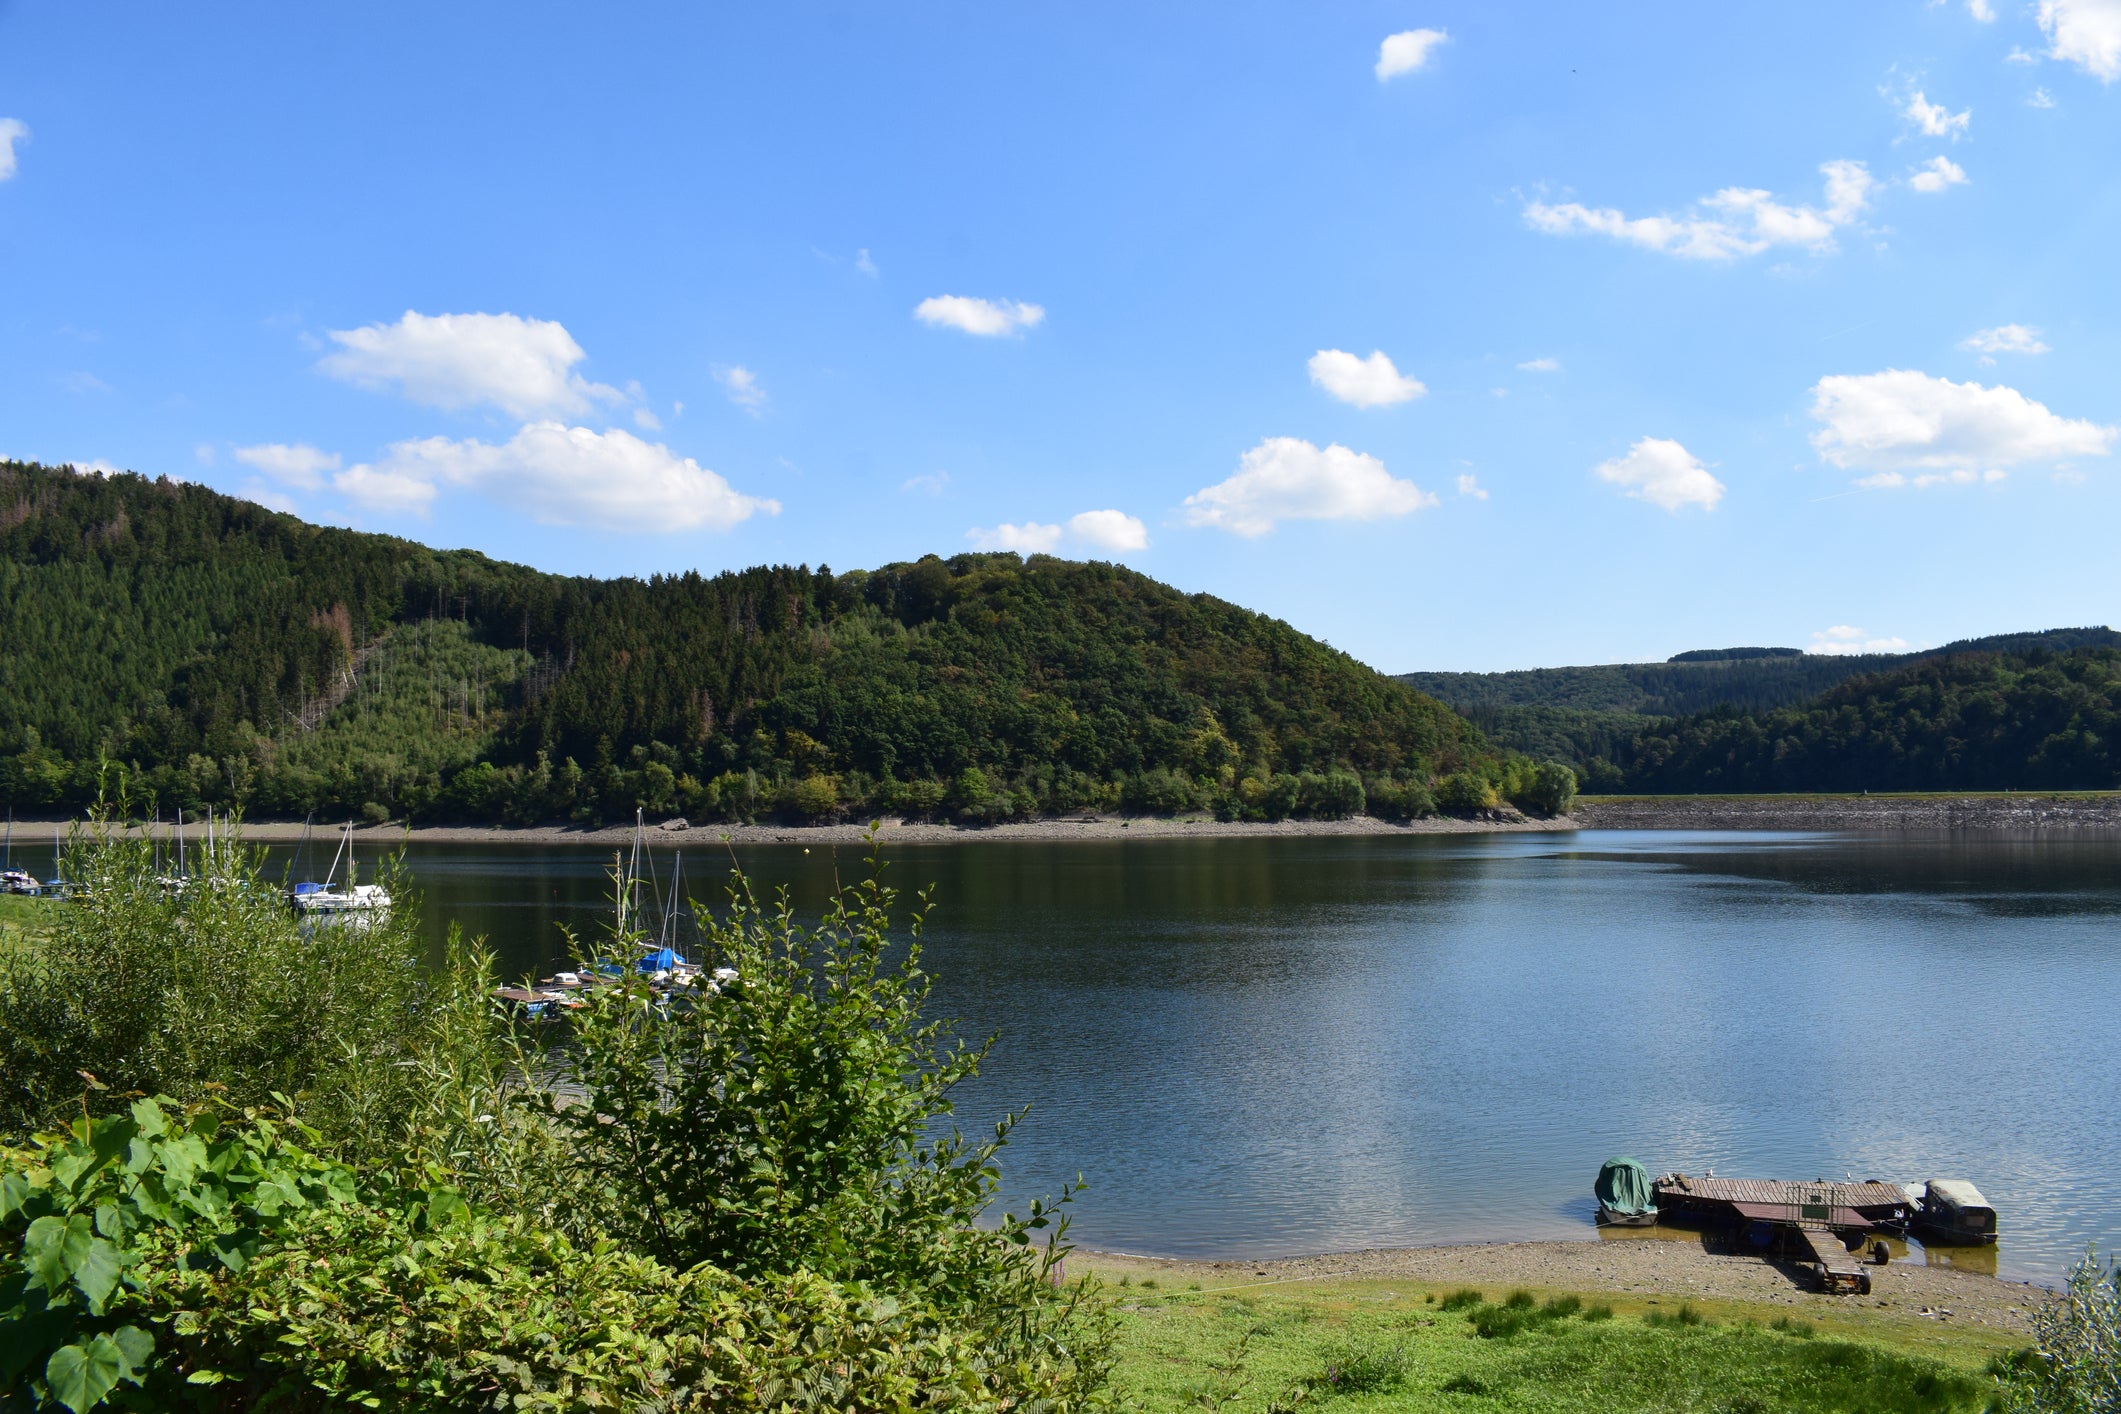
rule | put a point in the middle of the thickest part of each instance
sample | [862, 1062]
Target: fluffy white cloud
[1937, 174]
[931, 484]
[1843, 639]
[863, 263]
[1934, 119]
[1660, 471]
[2040, 98]
[1736, 221]
[561, 475]
[1540, 365]
[1407, 51]
[742, 386]
[1109, 530]
[1914, 430]
[989, 319]
[1469, 485]
[1366, 382]
[298, 464]
[1030, 538]
[1982, 11]
[1287, 478]
[12, 131]
[2086, 33]
[2004, 338]
[383, 489]
[524, 367]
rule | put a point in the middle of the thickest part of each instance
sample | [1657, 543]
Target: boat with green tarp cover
[1624, 1194]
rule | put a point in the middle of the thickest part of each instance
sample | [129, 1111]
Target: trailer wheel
[1863, 1284]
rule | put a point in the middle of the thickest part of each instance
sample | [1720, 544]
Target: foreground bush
[2074, 1366]
[160, 1262]
[738, 1199]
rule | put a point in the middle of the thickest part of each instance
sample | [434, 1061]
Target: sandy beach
[1670, 1267]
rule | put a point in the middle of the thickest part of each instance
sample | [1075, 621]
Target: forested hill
[206, 650]
[2027, 720]
[1587, 716]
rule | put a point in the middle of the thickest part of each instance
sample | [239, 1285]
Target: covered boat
[1953, 1210]
[1624, 1196]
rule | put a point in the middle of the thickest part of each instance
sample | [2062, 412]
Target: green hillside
[2026, 720]
[1587, 716]
[208, 651]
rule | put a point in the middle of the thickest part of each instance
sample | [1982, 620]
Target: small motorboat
[1624, 1195]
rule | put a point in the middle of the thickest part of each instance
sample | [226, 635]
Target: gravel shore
[1668, 1267]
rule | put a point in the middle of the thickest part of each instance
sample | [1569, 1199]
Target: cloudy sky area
[1461, 335]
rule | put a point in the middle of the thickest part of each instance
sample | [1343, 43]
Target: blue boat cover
[661, 960]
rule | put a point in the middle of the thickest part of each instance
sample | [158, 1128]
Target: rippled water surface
[1281, 1046]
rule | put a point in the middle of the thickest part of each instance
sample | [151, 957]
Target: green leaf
[80, 1375]
[54, 1247]
[148, 1115]
[15, 1193]
[98, 1272]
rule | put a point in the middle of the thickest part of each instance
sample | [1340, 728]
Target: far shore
[2031, 812]
[1646, 1269]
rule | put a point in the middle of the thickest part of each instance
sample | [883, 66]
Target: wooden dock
[1807, 1221]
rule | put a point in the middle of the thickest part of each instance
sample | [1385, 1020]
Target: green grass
[1379, 1346]
[21, 917]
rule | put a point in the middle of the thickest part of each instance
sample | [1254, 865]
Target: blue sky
[1700, 325]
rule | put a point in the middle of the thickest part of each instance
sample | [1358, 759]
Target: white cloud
[297, 464]
[1937, 174]
[2040, 98]
[1030, 538]
[382, 489]
[1366, 382]
[270, 497]
[1109, 530]
[2021, 56]
[2086, 33]
[1914, 430]
[863, 263]
[1922, 481]
[561, 475]
[96, 466]
[2004, 338]
[1982, 11]
[524, 367]
[743, 388]
[932, 484]
[989, 319]
[1469, 485]
[12, 131]
[1843, 639]
[1934, 119]
[1660, 471]
[1540, 365]
[646, 420]
[1407, 51]
[1737, 221]
[1286, 478]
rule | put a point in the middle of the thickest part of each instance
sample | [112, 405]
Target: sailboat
[314, 899]
[13, 880]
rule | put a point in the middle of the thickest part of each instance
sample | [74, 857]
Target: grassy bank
[21, 917]
[1386, 1345]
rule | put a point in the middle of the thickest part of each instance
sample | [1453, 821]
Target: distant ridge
[1593, 716]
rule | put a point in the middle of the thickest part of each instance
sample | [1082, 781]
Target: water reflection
[1267, 1047]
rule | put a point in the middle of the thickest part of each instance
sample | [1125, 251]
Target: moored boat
[1624, 1194]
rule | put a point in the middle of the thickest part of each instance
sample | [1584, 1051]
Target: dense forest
[1590, 716]
[195, 649]
[2028, 720]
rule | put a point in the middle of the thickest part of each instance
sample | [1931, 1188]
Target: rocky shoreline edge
[2005, 814]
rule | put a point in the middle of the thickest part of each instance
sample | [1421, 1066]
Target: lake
[1267, 1047]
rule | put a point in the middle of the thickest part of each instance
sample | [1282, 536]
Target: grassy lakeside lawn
[1247, 1347]
[20, 917]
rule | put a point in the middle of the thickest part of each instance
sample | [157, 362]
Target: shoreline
[2021, 814]
[1673, 1264]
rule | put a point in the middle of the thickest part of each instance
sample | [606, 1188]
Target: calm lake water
[1283, 1046]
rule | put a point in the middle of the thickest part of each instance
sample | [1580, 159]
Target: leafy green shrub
[1367, 1369]
[1598, 1311]
[2074, 1366]
[1563, 1306]
[1546, 789]
[1399, 800]
[1686, 1315]
[1465, 794]
[1461, 1299]
[216, 988]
